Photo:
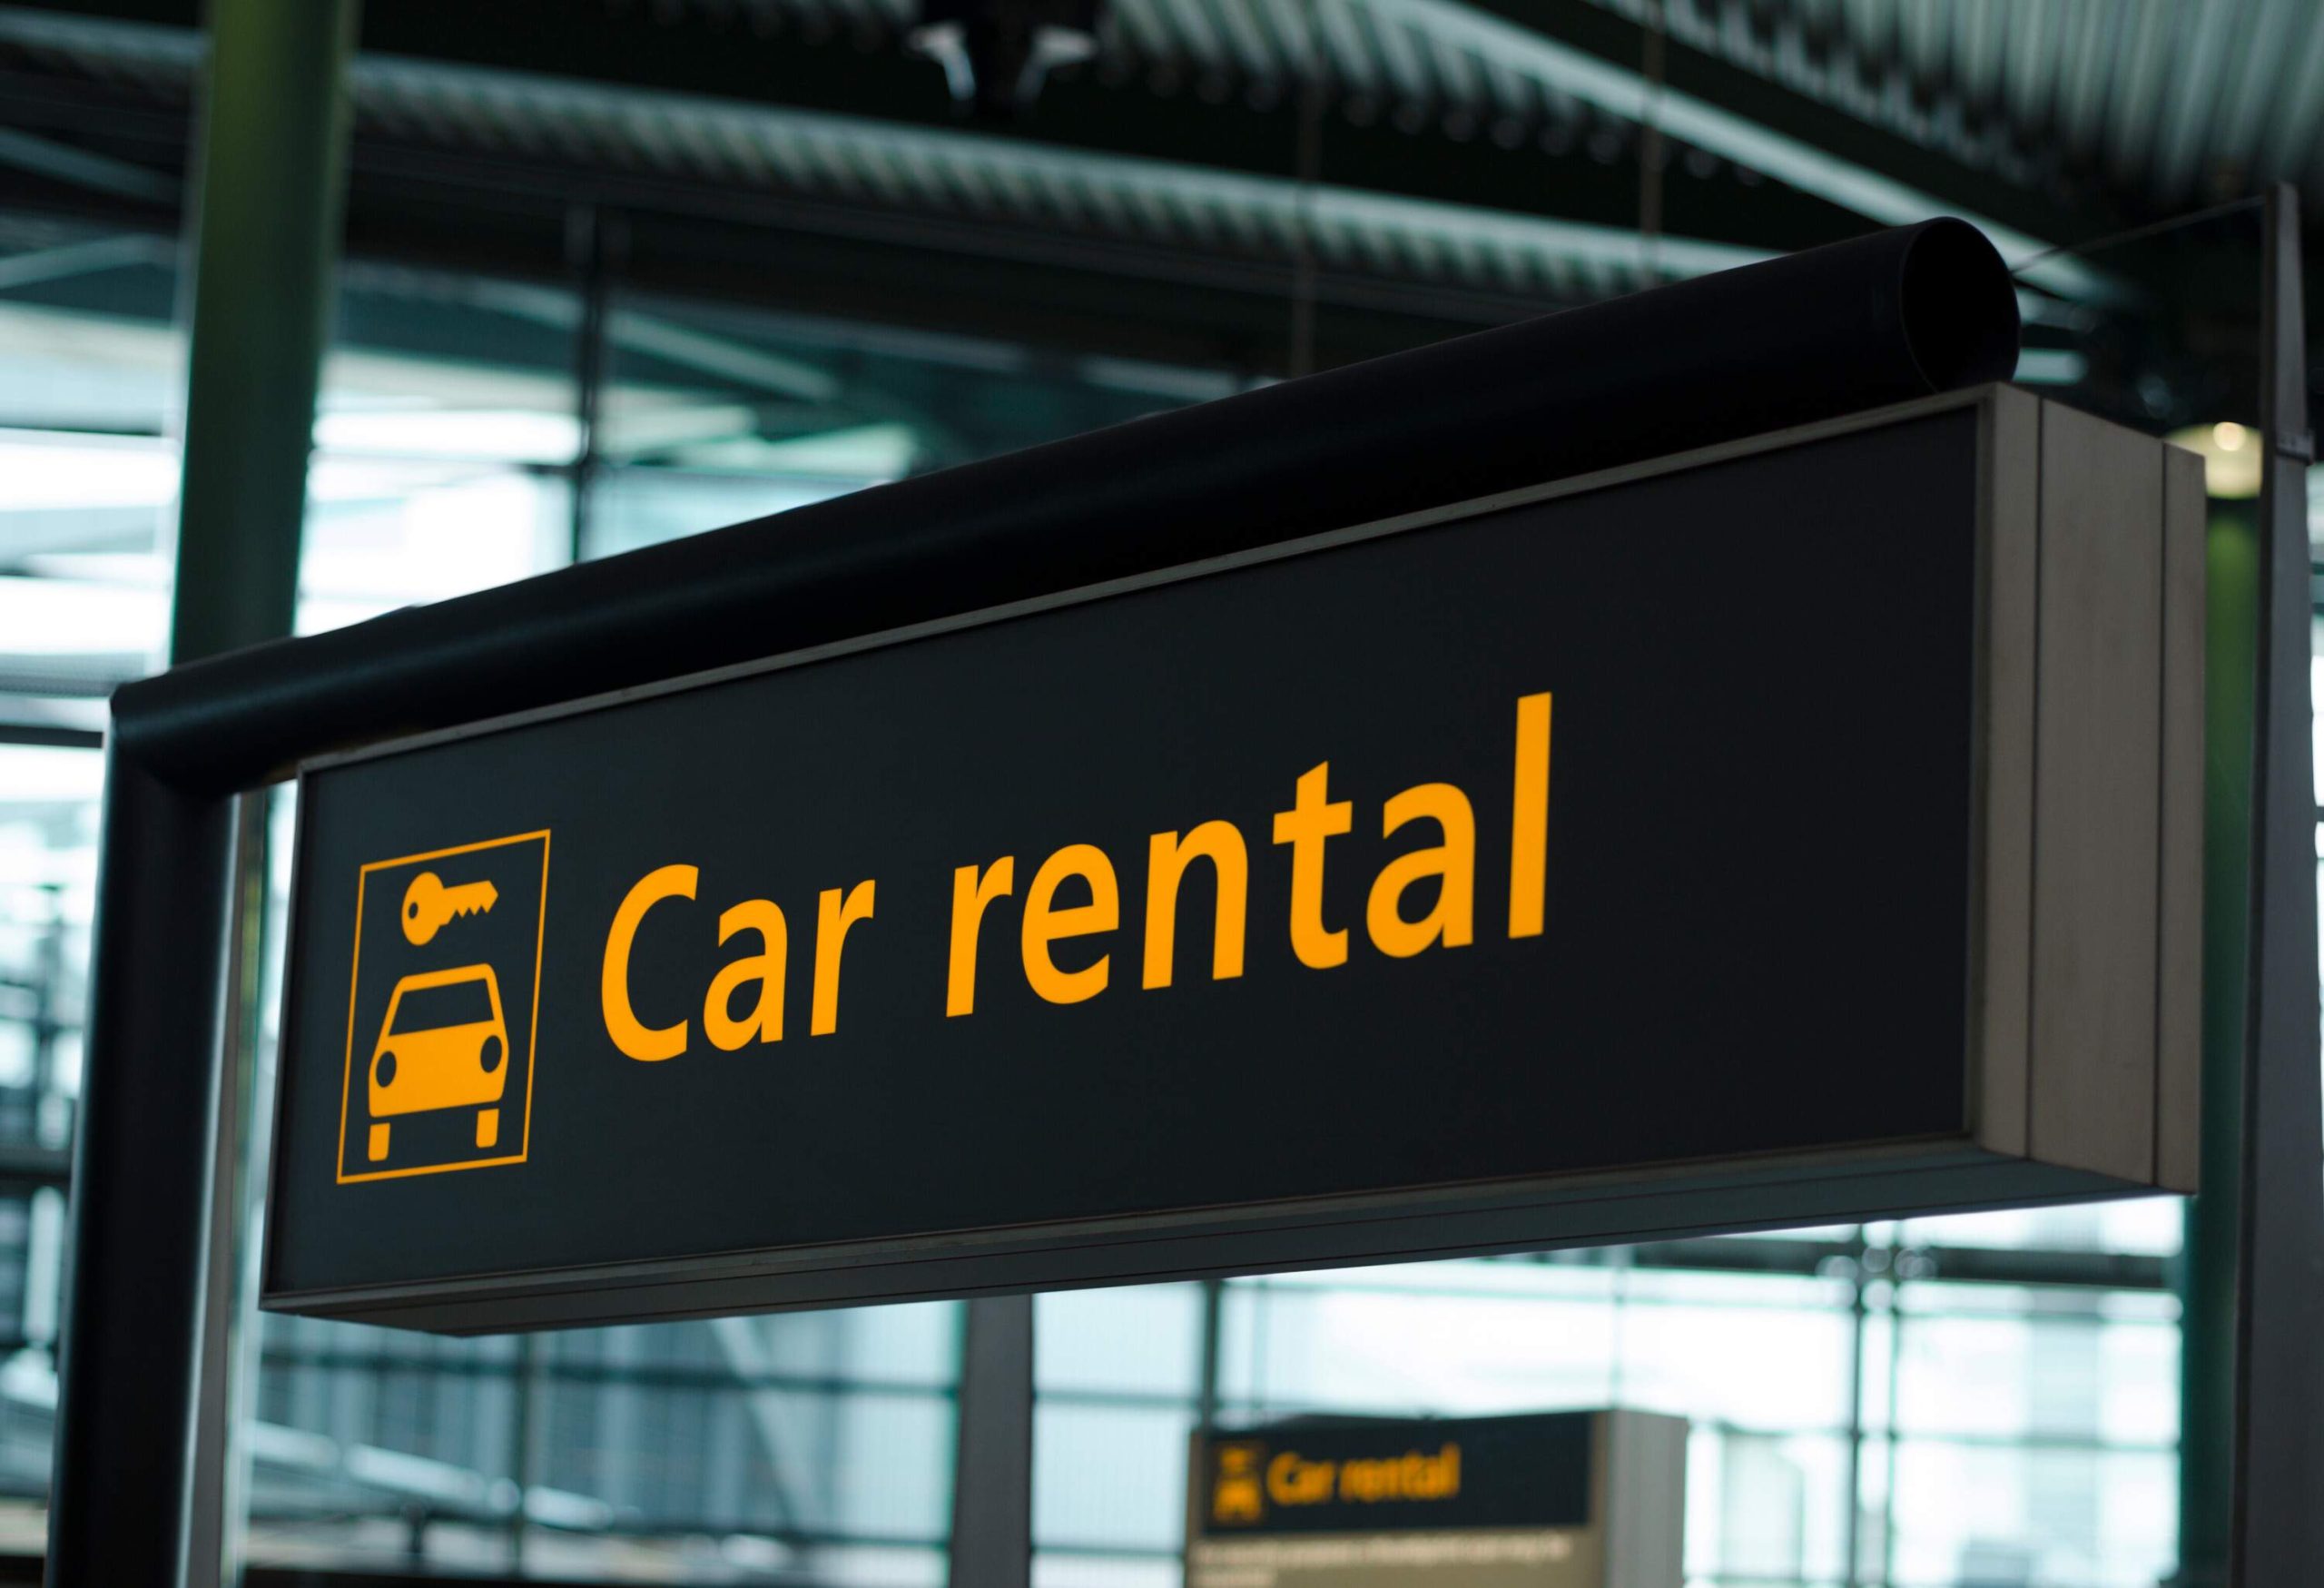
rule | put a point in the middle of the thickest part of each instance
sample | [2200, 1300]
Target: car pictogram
[443, 1045]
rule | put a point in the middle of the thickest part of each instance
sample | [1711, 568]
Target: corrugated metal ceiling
[2171, 102]
[961, 172]
[2178, 99]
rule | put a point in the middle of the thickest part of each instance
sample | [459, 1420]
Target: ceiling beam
[1597, 55]
[417, 194]
[64, 163]
[1070, 295]
[714, 53]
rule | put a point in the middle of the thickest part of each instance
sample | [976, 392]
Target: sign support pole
[2278, 1466]
[139, 1224]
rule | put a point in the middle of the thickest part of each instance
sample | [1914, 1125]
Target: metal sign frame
[186, 744]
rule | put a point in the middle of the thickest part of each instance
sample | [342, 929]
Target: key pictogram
[442, 1008]
[427, 904]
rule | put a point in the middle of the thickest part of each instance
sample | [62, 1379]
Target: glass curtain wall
[1988, 1400]
[89, 374]
[1999, 1392]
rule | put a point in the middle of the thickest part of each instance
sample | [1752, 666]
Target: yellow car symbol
[1236, 1495]
[444, 1045]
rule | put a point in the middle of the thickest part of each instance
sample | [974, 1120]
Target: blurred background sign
[1554, 1500]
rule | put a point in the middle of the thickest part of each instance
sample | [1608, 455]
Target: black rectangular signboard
[1380, 1476]
[1540, 871]
[1537, 1500]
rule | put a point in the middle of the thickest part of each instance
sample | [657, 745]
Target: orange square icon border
[532, 1039]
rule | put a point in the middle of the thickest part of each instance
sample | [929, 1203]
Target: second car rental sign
[1598, 861]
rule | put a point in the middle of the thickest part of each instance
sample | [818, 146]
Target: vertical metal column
[1859, 1319]
[992, 1473]
[526, 1453]
[2279, 1368]
[266, 210]
[265, 214]
[1208, 1363]
[2207, 1269]
[591, 247]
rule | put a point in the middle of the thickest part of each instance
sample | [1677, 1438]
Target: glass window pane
[48, 864]
[825, 1437]
[1081, 1569]
[1762, 1365]
[1997, 1513]
[1301, 1346]
[714, 414]
[1108, 1476]
[90, 372]
[445, 444]
[2145, 1225]
[1145, 1341]
[2001, 1362]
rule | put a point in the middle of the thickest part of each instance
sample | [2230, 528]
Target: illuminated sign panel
[1370, 1477]
[1547, 1500]
[1618, 860]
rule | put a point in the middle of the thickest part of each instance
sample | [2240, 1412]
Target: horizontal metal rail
[1879, 320]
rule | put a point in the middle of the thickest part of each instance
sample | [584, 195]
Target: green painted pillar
[2207, 1276]
[264, 217]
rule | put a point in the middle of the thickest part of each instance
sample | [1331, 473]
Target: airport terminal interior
[616, 271]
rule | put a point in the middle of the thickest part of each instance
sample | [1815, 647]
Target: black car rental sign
[1648, 851]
